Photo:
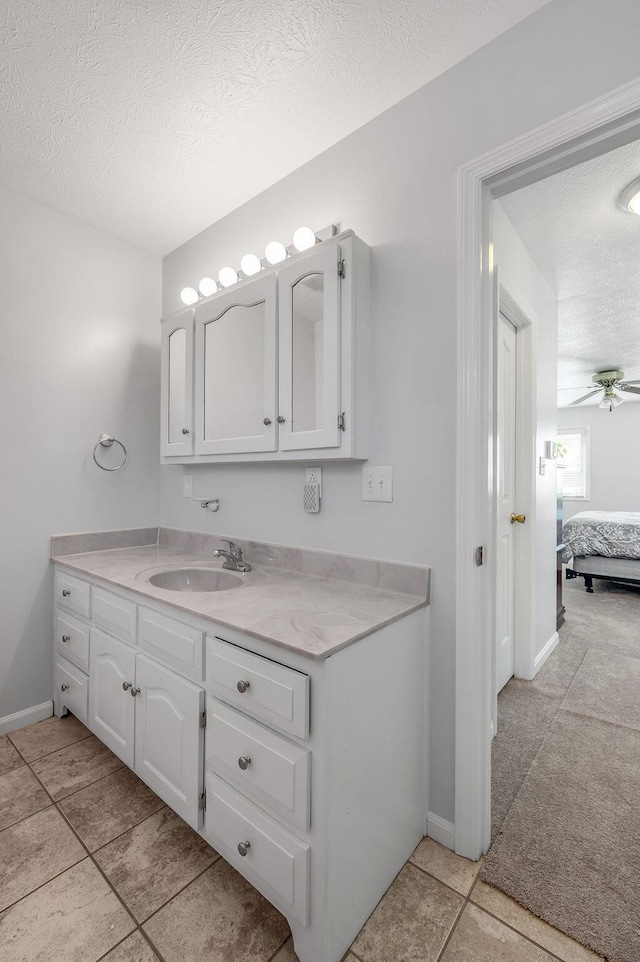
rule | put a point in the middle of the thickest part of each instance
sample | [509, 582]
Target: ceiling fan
[609, 382]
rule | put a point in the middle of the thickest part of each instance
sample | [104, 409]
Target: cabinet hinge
[342, 268]
[203, 719]
[342, 424]
[202, 801]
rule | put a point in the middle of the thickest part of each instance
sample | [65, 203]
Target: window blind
[574, 475]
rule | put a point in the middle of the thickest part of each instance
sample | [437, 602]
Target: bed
[602, 544]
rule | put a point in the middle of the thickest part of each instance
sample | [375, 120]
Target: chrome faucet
[234, 560]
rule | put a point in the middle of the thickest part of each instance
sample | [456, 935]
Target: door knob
[244, 761]
[243, 847]
[126, 685]
[64, 687]
[66, 638]
[520, 518]
[135, 691]
[242, 686]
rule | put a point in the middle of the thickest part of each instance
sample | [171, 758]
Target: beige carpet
[566, 778]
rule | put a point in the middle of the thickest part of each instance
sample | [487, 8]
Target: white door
[111, 681]
[169, 737]
[309, 343]
[505, 477]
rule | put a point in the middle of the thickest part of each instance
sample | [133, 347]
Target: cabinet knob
[64, 687]
[66, 638]
[243, 847]
[243, 686]
[185, 430]
[280, 419]
[135, 691]
[126, 685]
[267, 421]
[244, 761]
[65, 592]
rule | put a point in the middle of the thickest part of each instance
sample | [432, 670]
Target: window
[575, 458]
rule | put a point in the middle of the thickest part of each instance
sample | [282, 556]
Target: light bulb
[250, 264]
[188, 295]
[275, 252]
[630, 197]
[634, 203]
[207, 286]
[303, 239]
[227, 276]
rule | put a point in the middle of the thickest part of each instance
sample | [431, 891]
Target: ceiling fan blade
[630, 390]
[584, 398]
[630, 382]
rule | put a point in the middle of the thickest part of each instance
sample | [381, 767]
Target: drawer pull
[126, 685]
[243, 847]
[244, 761]
[65, 592]
[135, 691]
[243, 686]
[66, 638]
[64, 687]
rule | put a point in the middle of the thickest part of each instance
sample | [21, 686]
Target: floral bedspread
[612, 534]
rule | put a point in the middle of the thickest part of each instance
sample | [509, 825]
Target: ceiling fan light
[630, 197]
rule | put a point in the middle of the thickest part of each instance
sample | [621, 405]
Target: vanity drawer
[276, 862]
[276, 772]
[115, 615]
[72, 639]
[73, 593]
[272, 692]
[75, 696]
[178, 645]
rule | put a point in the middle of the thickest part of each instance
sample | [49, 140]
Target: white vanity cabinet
[145, 711]
[176, 385]
[280, 363]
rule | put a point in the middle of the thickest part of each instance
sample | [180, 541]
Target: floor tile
[9, 757]
[74, 918]
[286, 953]
[48, 736]
[480, 938]
[134, 949]
[108, 808]
[75, 767]
[452, 869]
[218, 917]
[411, 922]
[153, 861]
[33, 851]
[21, 794]
[530, 925]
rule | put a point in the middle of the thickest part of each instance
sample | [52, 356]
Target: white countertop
[311, 616]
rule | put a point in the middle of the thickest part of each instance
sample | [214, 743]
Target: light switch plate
[377, 484]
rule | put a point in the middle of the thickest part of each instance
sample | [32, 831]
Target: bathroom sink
[195, 579]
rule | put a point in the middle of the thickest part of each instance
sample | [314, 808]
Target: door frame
[589, 131]
[520, 314]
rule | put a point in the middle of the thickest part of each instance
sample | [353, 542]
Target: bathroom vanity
[284, 718]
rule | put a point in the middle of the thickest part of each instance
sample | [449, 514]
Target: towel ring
[105, 441]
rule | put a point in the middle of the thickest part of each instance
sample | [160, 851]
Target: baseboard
[441, 831]
[27, 716]
[546, 651]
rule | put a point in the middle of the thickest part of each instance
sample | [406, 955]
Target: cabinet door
[236, 370]
[176, 386]
[309, 346]
[111, 707]
[169, 737]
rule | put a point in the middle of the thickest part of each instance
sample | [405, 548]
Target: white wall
[394, 182]
[514, 261]
[79, 357]
[615, 457]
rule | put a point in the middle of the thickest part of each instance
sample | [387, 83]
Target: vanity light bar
[275, 253]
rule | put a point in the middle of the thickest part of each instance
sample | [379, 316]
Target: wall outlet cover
[187, 486]
[377, 483]
[314, 476]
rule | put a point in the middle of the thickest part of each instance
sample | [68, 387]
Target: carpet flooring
[566, 778]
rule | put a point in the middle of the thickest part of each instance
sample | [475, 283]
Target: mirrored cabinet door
[177, 385]
[309, 339]
[236, 370]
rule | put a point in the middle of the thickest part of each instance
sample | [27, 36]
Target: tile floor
[93, 866]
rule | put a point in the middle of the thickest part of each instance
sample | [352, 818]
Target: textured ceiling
[588, 248]
[153, 118]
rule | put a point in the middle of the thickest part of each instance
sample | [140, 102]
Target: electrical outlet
[187, 486]
[377, 484]
[314, 476]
